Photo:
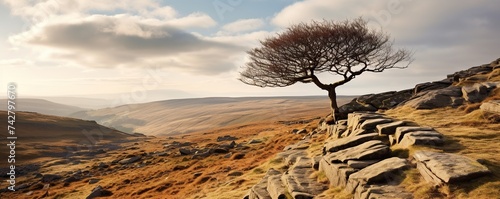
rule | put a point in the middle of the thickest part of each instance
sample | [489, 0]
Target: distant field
[173, 117]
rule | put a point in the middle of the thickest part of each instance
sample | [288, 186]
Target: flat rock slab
[344, 143]
[401, 131]
[441, 168]
[299, 184]
[337, 173]
[371, 150]
[275, 187]
[389, 128]
[372, 123]
[430, 138]
[384, 171]
[354, 120]
[491, 106]
[381, 192]
[259, 191]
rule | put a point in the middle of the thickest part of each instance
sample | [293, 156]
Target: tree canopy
[346, 48]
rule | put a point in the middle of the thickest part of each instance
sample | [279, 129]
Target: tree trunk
[333, 104]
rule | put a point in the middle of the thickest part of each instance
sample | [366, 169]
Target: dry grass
[471, 134]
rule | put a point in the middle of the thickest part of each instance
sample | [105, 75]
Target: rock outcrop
[439, 168]
[491, 106]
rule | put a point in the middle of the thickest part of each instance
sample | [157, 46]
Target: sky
[195, 48]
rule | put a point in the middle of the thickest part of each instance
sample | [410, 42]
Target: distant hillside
[41, 135]
[42, 106]
[83, 102]
[187, 115]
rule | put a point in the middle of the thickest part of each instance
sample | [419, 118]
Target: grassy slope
[469, 132]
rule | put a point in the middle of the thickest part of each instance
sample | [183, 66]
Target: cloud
[131, 41]
[243, 25]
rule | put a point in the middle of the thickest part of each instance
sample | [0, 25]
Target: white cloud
[243, 25]
[130, 41]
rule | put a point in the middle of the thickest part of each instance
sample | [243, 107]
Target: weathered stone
[371, 150]
[254, 141]
[298, 182]
[94, 180]
[381, 192]
[359, 132]
[130, 160]
[275, 187]
[259, 191]
[375, 100]
[491, 106]
[401, 131]
[337, 173]
[98, 192]
[354, 120]
[235, 173]
[431, 138]
[396, 99]
[384, 171]
[186, 151]
[360, 164]
[372, 123]
[447, 167]
[226, 138]
[435, 98]
[292, 157]
[315, 162]
[478, 91]
[336, 130]
[50, 178]
[354, 106]
[344, 143]
[428, 86]
[389, 128]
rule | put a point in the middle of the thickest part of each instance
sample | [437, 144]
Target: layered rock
[439, 168]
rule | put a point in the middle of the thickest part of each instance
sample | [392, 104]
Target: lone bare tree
[347, 49]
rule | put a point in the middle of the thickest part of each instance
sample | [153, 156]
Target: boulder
[226, 138]
[375, 100]
[372, 123]
[439, 168]
[431, 138]
[186, 151]
[50, 178]
[354, 120]
[492, 106]
[259, 191]
[389, 128]
[384, 171]
[275, 187]
[402, 130]
[354, 106]
[471, 71]
[344, 143]
[436, 98]
[98, 192]
[478, 92]
[336, 130]
[130, 160]
[428, 86]
[396, 99]
[371, 150]
[337, 173]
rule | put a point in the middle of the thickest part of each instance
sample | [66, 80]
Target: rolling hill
[182, 116]
[42, 106]
[40, 136]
